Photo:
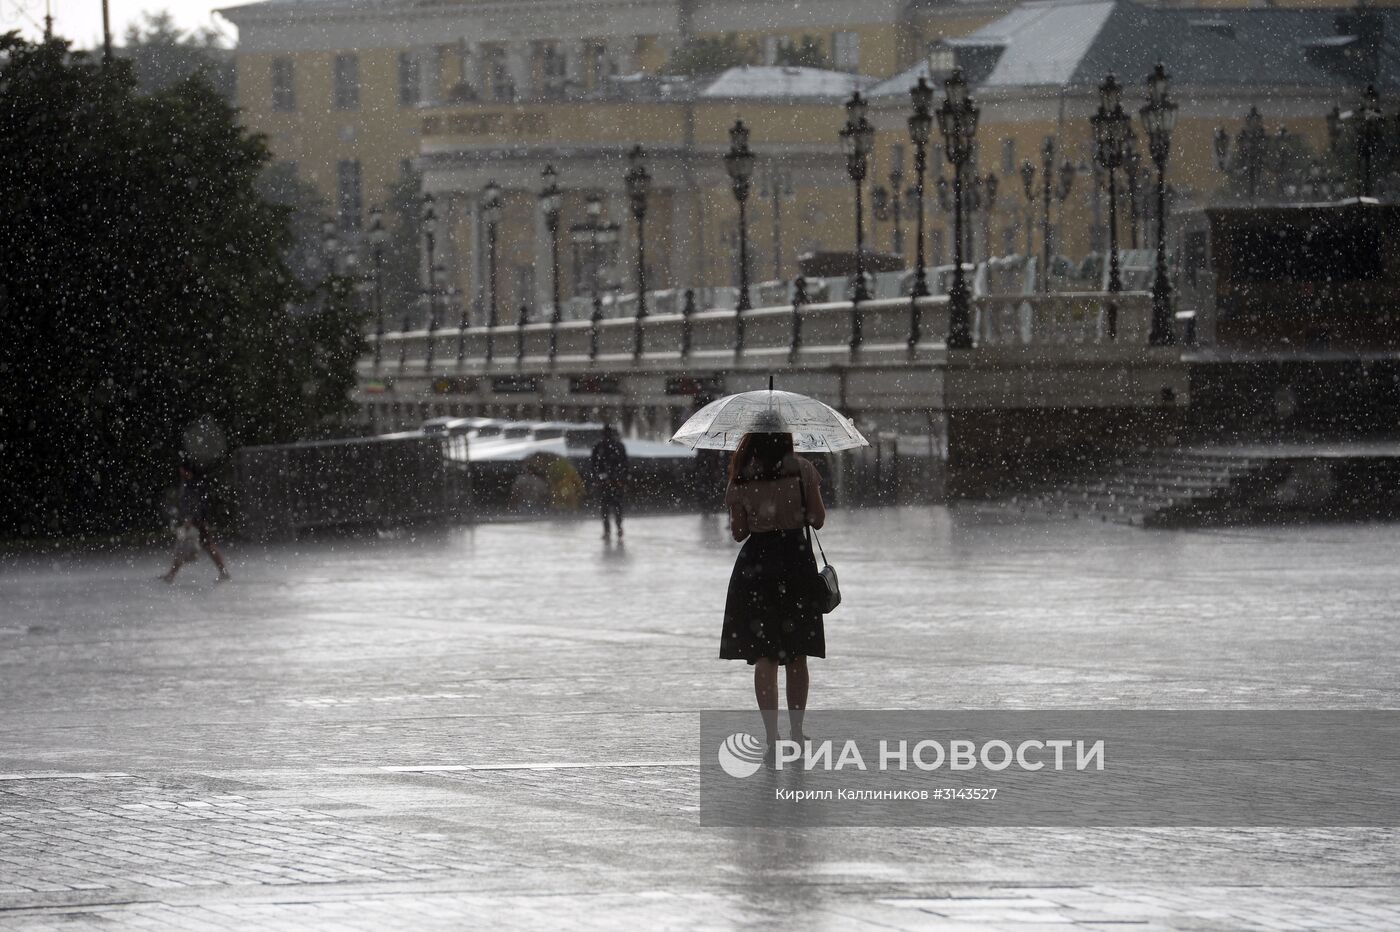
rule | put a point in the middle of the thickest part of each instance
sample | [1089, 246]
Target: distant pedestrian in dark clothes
[610, 469]
[193, 515]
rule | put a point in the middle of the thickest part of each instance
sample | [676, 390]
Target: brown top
[760, 505]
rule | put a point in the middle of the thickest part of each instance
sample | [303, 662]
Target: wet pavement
[497, 725]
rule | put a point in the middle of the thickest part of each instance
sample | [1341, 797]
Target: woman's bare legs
[765, 690]
[213, 550]
[798, 680]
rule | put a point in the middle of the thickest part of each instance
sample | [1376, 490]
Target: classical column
[429, 70]
[518, 66]
[572, 50]
[469, 54]
[622, 51]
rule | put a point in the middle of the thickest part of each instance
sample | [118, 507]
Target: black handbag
[829, 595]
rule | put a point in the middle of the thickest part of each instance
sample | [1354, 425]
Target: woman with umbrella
[773, 611]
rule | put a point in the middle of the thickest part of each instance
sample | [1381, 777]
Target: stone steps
[1153, 487]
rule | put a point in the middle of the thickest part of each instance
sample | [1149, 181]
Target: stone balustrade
[896, 331]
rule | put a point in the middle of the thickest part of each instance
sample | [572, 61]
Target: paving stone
[354, 734]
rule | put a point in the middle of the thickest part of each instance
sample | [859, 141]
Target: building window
[845, 51]
[498, 77]
[284, 95]
[596, 61]
[553, 71]
[410, 80]
[350, 202]
[772, 45]
[347, 81]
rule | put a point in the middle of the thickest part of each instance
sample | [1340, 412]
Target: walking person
[610, 469]
[773, 612]
[192, 512]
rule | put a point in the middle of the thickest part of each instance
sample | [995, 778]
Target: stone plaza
[494, 726]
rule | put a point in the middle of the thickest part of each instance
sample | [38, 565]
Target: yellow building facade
[476, 92]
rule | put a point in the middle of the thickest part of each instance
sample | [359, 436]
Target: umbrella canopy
[816, 427]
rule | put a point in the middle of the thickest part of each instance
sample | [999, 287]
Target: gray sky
[81, 20]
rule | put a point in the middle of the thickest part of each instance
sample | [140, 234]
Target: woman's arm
[738, 522]
[816, 508]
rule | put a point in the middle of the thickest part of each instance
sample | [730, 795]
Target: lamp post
[429, 225]
[1110, 125]
[777, 184]
[957, 121]
[491, 214]
[739, 162]
[1158, 120]
[920, 124]
[595, 233]
[595, 215]
[1249, 147]
[1132, 166]
[638, 182]
[858, 139]
[987, 202]
[888, 204]
[1062, 185]
[377, 236]
[1028, 187]
[551, 204]
[1368, 137]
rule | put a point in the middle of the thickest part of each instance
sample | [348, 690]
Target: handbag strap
[807, 525]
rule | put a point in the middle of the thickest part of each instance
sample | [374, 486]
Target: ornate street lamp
[377, 236]
[1055, 184]
[858, 139]
[551, 206]
[920, 125]
[638, 182]
[1132, 168]
[596, 234]
[888, 204]
[957, 121]
[987, 198]
[1250, 144]
[1368, 136]
[429, 224]
[739, 162]
[777, 185]
[1110, 125]
[1158, 120]
[1028, 187]
[1064, 184]
[491, 215]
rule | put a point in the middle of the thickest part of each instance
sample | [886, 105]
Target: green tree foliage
[143, 287]
[162, 55]
[807, 53]
[704, 55]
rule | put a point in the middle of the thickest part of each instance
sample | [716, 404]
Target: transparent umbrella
[816, 427]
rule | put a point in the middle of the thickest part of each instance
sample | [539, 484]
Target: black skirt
[772, 609]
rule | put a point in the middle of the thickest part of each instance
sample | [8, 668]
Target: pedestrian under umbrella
[773, 609]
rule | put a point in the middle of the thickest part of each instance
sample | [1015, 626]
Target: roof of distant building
[782, 81]
[1074, 43]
